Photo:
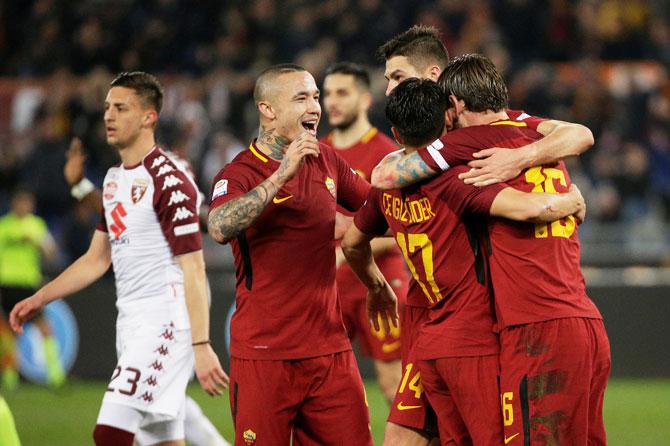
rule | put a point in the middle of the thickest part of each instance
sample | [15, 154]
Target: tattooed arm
[399, 169]
[228, 220]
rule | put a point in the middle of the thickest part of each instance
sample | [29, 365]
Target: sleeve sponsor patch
[190, 228]
[220, 189]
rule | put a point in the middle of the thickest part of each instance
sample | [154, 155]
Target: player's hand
[382, 305]
[303, 146]
[493, 166]
[209, 371]
[24, 311]
[74, 164]
[580, 215]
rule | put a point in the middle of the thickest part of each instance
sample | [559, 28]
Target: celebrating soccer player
[346, 100]
[149, 232]
[555, 356]
[293, 373]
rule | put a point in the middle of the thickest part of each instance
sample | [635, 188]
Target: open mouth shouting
[310, 125]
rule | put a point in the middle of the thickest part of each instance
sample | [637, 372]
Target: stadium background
[602, 63]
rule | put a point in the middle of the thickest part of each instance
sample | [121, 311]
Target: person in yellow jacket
[8, 434]
[24, 239]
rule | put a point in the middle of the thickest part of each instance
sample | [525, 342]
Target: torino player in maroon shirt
[555, 356]
[293, 374]
[346, 100]
[456, 351]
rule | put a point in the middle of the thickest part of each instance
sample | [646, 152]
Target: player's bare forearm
[399, 169]
[358, 252]
[536, 207]
[228, 220]
[561, 140]
[381, 245]
[195, 291]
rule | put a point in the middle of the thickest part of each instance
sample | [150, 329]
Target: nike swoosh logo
[281, 200]
[401, 406]
[508, 439]
[387, 348]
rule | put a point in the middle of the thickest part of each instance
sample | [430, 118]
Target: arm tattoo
[275, 143]
[233, 217]
[397, 172]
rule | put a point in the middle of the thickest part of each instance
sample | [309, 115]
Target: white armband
[82, 188]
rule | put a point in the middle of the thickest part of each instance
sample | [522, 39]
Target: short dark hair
[360, 74]
[269, 74]
[147, 87]
[421, 45]
[476, 80]
[416, 109]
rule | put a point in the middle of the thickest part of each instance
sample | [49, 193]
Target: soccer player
[346, 100]
[419, 52]
[198, 429]
[555, 356]
[149, 232]
[293, 373]
[434, 223]
[24, 239]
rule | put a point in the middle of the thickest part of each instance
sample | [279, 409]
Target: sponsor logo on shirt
[177, 197]
[171, 181]
[158, 161]
[138, 189]
[109, 190]
[220, 189]
[165, 169]
[330, 185]
[182, 213]
[249, 437]
[123, 240]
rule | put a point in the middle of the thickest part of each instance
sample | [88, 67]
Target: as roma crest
[138, 189]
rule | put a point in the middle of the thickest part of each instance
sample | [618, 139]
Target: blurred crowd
[603, 63]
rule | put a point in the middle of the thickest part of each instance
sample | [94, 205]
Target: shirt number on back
[408, 244]
[542, 179]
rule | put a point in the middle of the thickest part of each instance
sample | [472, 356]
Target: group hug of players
[492, 340]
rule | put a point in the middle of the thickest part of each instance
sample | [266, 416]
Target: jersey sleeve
[228, 184]
[102, 221]
[465, 198]
[351, 188]
[176, 206]
[453, 149]
[369, 218]
[531, 121]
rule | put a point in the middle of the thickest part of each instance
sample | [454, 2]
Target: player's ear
[265, 109]
[396, 135]
[457, 104]
[150, 118]
[366, 101]
[433, 73]
[449, 119]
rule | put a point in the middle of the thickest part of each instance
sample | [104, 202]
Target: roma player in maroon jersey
[555, 356]
[293, 374]
[346, 100]
[456, 350]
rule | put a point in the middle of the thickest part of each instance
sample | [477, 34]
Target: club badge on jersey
[138, 189]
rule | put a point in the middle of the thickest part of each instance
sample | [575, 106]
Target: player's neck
[271, 144]
[345, 138]
[468, 119]
[134, 154]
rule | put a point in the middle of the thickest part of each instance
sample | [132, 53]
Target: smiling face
[295, 103]
[126, 116]
[343, 100]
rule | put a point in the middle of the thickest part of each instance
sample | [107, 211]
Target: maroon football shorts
[379, 345]
[321, 399]
[552, 382]
[410, 406]
[464, 393]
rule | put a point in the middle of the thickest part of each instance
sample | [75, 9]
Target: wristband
[200, 343]
[82, 188]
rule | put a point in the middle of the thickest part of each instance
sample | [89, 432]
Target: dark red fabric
[104, 435]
